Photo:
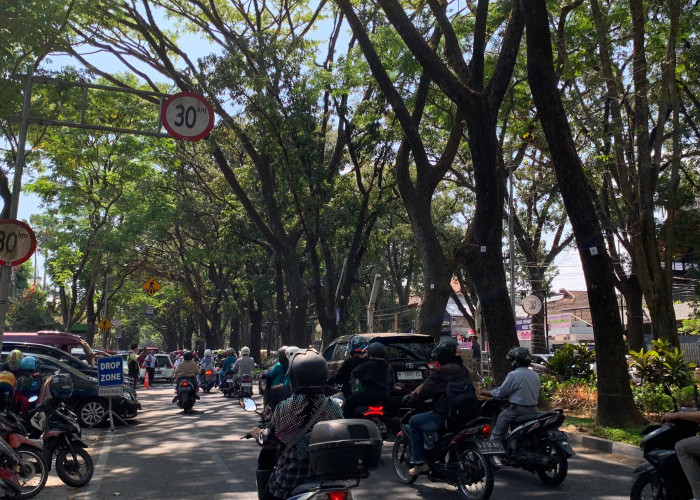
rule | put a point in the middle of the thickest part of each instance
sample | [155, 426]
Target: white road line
[96, 480]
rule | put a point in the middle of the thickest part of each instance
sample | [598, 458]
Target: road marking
[96, 480]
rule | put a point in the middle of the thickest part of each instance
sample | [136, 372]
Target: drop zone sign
[110, 376]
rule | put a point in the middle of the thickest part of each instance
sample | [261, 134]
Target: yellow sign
[151, 286]
[104, 324]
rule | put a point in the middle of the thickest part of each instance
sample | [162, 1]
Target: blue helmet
[28, 363]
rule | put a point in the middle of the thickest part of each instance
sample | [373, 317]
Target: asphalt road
[166, 454]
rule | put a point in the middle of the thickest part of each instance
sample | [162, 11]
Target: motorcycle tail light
[337, 495]
[432, 365]
[208, 372]
[486, 430]
[374, 410]
[185, 383]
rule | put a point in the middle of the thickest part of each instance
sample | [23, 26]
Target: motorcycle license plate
[229, 380]
[490, 447]
[246, 385]
[412, 375]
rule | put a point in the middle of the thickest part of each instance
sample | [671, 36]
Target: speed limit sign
[187, 116]
[17, 242]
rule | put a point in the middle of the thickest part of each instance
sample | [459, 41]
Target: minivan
[60, 340]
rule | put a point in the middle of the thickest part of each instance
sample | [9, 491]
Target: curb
[605, 445]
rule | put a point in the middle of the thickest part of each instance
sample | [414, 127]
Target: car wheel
[92, 412]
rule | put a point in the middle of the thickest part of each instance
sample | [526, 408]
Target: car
[408, 354]
[540, 363]
[47, 350]
[90, 408]
[164, 368]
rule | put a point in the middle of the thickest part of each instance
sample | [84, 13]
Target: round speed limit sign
[17, 242]
[187, 116]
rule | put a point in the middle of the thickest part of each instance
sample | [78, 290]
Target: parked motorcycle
[536, 444]
[459, 458]
[63, 439]
[32, 472]
[341, 453]
[208, 379]
[10, 462]
[186, 394]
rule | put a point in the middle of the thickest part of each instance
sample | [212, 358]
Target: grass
[588, 426]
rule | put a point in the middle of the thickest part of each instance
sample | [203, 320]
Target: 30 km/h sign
[187, 116]
[17, 242]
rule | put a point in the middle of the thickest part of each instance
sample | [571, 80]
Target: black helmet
[519, 356]
[188, 355]
[376, 350]
[61, 386]
[307, 369]
[445, 351]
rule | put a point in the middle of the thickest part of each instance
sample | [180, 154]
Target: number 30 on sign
[17, 242]
[187, 116]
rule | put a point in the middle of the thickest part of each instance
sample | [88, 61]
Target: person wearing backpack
[451, 371]
[133, 364]
[375, 377]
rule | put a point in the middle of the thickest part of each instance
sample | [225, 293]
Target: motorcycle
[208, 379]
[459, 458]
[228, 386]
[31, 473]
[341, 453]
[186, 394]
[536, 444]
[63, 439]
[245, 387]
[10, 463]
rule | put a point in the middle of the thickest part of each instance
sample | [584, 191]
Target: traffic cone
[146, 383]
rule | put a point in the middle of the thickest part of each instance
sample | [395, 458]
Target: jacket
[244, 366]
[435, 386]
[376, 375]
[186, 369]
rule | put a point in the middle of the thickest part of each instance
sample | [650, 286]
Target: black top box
[344, 449]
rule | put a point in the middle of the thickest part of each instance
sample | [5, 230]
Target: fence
[692, 352]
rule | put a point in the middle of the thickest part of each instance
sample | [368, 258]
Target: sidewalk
[604, 445]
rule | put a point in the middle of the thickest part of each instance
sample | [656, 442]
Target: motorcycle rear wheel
[401, 457]
[74, 473]
[647, 486]
[476, 474]
[33, 472]
[555, 476]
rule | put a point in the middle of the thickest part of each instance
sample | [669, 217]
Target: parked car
[60, 340]
[540, 363]
[164, 368]
[90, 408]
[47, 350]
[408, 354]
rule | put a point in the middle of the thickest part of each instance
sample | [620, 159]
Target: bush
[651, 398]
[572, 361]
[663, 365]
[549, 387]
[576, 395]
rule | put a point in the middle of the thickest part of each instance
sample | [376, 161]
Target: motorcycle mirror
[33, 398]
[249, 405]
[338, 401]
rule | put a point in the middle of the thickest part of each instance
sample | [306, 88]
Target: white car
[164, 368]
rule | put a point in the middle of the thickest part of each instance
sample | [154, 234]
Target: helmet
[519, 356]
[220, 352]
[245, 351]
[281, 352]
[231, 351]
[28, 363]
[61, 386]
[207, 352]
[376, 350]
[188, 355]
[445, 351]
[290, 352]
[14, 358]
[307, 369]
[8, 382]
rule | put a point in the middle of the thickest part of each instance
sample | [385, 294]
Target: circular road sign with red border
[17, 242]
[187, 116]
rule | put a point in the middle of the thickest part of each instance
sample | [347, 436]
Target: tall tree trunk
[615, 404]
[635, 314]
[91, 318]
[255, 315]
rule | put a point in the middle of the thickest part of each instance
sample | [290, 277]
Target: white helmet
[207, 352]
[245, 351]
[290, 352]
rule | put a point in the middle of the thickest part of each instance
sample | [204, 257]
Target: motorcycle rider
[451, 369]
[376, 377]
[688, 450]
[308, 373]
[227, 364]
[344, 373]
[207, 363]
[521, 387]
[187, 369]
[243, 366]
[276, 374]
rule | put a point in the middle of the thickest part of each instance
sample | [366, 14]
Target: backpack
[462, 403]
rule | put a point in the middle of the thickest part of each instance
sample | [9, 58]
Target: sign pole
[6, 271]
[111, 417]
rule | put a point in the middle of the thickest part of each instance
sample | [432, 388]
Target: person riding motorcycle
[376, 378]
[521, 387]
[244, 365]
[226, 366]
[344, 373]
[276, 374]
[282, 390]
[187, 369]
[308, 373]
[451, 369]
[688, 450]
[207, 363]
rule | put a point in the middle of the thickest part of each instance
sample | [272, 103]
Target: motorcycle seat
[532, 416]
[315, 485]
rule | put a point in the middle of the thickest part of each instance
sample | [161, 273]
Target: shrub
[663, 365]
[572, 361]
[549, 387]
[576, 395]
[651, 398]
